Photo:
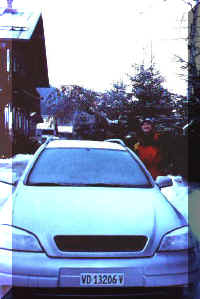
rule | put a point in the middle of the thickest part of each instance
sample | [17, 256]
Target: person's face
[146, 127]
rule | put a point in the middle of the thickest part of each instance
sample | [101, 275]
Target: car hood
[51, 211]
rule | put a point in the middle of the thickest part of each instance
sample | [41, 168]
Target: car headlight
[179, 239]
[12, 238]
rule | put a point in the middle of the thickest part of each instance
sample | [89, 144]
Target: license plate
[102, 279]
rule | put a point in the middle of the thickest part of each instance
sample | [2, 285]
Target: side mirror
[163, 181]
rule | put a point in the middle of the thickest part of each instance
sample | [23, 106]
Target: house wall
[23, 67]
[15, 119]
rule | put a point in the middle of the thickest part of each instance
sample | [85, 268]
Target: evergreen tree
[116, 100]
[147, 87]
[147, 84]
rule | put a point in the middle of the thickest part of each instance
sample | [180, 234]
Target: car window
[87, 167]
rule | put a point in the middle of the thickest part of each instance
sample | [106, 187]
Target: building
[23, 68]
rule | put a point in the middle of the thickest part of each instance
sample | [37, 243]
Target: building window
[14, 65]
[10, 122]
[27, 127]
[8, 60]
[6, 116]
[20, 120]
[17, 119]
[3, 54]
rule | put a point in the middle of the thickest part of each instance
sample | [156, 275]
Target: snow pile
[5, 191]
[17, 162]
[178, 194]
[11, 169]
[19, 158]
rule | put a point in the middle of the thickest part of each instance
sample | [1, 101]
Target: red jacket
[151, 157]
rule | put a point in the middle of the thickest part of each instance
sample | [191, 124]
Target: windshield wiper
[106, 185]
[88, 185]
[49, 184]
[116, 185]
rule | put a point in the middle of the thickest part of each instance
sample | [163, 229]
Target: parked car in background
[84, 125]
[65, 131]
[44, 131]
[87, 218]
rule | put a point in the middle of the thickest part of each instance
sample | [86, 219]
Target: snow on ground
[19, 158]
[10, 169]
[178, 194]
[5, 191]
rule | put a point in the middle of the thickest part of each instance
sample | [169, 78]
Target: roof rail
[51, 138]
[116, 140]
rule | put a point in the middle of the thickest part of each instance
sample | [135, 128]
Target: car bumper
[136, 292]
[37, 270]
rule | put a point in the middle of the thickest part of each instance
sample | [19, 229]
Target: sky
[94, 43]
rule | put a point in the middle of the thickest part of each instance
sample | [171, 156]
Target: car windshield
[87, 167]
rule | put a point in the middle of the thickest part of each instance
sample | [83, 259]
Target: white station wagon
[87, 218]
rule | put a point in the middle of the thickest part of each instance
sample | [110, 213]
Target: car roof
[84, 144]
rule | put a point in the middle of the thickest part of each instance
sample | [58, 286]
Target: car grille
[100, 243]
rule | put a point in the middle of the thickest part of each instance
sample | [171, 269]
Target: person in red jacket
[148, 148]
